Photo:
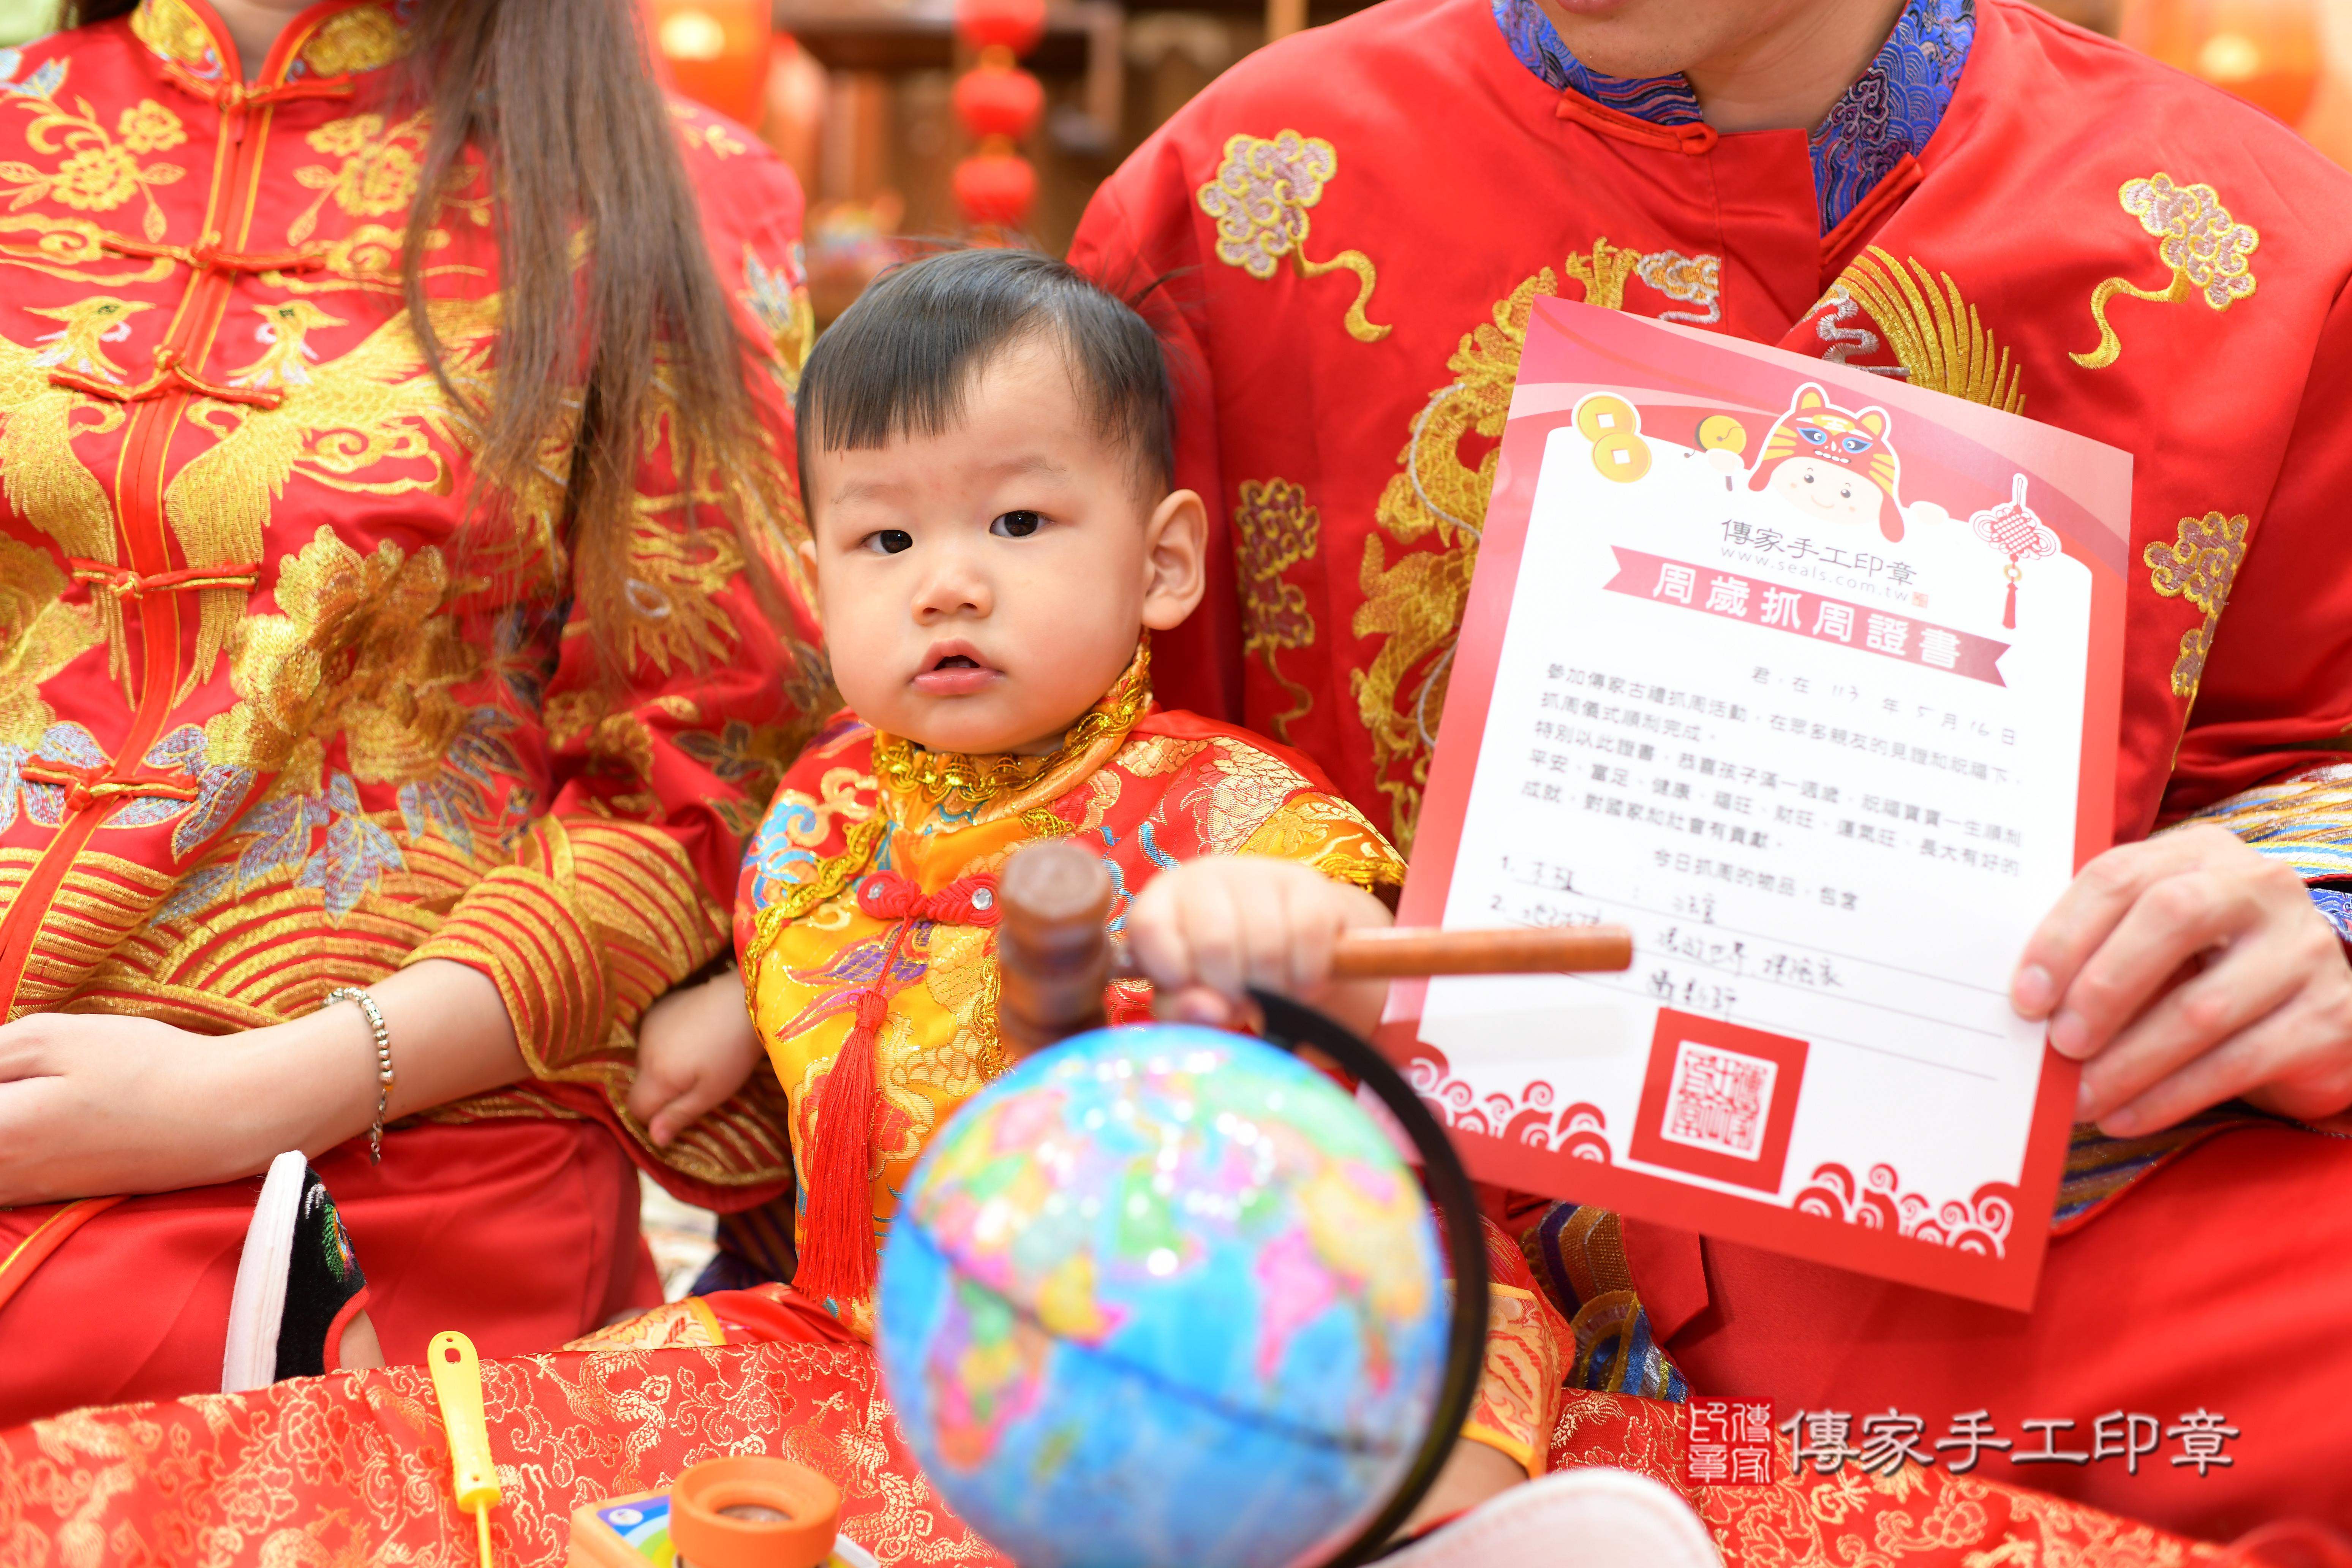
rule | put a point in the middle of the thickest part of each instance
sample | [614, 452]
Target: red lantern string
[998, 104]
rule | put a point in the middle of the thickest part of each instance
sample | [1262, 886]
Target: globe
[1163, 1297]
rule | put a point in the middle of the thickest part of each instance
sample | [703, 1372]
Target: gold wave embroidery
[2198, 565]
[1933, 332]
[2196, 236]
[1260, 198]
[342, 424]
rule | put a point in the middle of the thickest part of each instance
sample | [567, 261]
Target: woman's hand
[2188, 970]
[93, 1105]
[1206, 931]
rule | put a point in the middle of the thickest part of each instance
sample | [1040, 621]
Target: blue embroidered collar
[1889, 113]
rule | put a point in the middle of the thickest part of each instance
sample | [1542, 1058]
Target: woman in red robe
[376, 611]
[1973, 197]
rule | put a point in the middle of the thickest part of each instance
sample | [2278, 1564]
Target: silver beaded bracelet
[383, 1074]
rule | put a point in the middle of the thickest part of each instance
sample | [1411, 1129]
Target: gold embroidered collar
[360, 37]
[910, 769]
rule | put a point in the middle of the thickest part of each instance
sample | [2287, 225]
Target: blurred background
[936, 118]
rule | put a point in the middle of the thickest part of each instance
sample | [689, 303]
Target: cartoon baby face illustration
[1833, 463]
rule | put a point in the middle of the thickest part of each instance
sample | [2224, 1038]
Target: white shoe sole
[257, 1306]
[1570, 1518]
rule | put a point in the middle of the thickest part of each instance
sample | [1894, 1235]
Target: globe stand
[1291, 1024]
[1056, 956]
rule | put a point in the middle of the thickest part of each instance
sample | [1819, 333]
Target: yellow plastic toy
[457, 1384]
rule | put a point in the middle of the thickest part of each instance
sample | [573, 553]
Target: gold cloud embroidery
[1260, 198]
[2196, 236]
[2199, 566]
[1275, 529]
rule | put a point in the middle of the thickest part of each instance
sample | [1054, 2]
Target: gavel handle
[1401, 951]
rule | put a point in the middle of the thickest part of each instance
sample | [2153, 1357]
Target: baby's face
[980, 589]
[1826, 490]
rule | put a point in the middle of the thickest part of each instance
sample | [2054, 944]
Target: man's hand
[1206, 931]
[2188, 970]
[695, 1049]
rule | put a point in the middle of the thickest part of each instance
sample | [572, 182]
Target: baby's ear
[806, 551]
[1175, 560]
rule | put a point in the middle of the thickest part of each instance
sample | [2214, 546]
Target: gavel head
[1051, 948]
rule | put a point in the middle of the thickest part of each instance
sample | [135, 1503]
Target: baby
[986, 455]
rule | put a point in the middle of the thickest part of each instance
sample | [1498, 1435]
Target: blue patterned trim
[1578, 1254]
[2305, 821]
[1887, 115]
[2100, 1169]
[2335, 906]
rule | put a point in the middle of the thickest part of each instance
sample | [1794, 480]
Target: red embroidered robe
[1353, 224]
[263, 732]
[356, 1465]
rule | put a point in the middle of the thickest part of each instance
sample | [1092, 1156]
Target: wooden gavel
[1056, 957]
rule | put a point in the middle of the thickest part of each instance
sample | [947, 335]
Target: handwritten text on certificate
[1807, 714]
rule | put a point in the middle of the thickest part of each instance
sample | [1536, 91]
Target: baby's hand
[695, 1047]
[1205, 930]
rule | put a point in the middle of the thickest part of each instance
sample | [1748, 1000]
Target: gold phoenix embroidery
[42, 479]
[1260, 198]
[39, 635]
[364, 646]
[1275, 529]
[376, 405]
[2196, 236]
[2199, 566]
[1933, 332]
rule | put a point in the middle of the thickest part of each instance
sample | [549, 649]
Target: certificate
[1810, 678]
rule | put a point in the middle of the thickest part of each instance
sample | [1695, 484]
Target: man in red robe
[1975, 199]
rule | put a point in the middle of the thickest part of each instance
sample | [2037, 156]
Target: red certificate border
[1575, 342]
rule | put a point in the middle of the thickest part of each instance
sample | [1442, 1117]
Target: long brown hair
[559, 98]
